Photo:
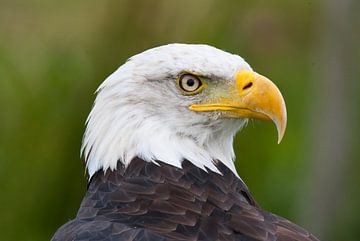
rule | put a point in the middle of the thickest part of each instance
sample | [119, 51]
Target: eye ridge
[190, 84]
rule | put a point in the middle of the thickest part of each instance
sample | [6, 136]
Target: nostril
[247, 86]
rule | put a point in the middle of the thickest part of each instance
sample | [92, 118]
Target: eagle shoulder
[146, 201]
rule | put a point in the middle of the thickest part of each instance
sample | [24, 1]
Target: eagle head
[178, 102]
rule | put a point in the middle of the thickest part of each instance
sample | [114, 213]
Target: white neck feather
[118, 130]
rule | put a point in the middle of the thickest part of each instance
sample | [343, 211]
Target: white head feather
[140, 111]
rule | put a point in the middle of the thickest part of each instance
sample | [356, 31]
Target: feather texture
[153, 202]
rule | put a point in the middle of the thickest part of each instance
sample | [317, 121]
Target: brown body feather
[163, 203]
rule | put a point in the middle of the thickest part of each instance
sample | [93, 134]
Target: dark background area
[53, 55]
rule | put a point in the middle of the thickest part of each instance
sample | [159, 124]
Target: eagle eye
[190, 84]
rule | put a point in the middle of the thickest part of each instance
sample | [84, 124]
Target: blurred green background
[54, 54]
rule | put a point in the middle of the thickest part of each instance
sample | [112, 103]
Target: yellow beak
[253, 96]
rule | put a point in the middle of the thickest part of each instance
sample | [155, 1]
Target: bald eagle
[159, 153]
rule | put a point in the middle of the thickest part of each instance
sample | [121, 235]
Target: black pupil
[190, 82]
